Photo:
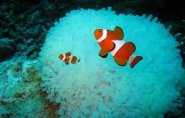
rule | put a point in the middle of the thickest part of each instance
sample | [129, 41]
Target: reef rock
[7, 48]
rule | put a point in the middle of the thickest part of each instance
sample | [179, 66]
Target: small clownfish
[112, 41]
[67, 58]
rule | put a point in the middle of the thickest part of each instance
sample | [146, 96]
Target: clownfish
[112, 41]
[67, 58]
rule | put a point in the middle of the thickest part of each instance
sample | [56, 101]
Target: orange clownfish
[67, 58]
[112, 41]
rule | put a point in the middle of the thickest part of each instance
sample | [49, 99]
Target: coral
[97, 87]
[19, 84]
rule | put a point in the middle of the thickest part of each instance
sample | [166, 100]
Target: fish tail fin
[135, 61]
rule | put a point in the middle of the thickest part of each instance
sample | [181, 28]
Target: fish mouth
[97, 34]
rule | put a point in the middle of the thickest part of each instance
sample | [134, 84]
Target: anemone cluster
[97, 87]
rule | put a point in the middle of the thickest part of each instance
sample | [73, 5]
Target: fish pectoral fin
[66, 60]
[103, 53]
[119, 33]
[111, 46]
[68, 54]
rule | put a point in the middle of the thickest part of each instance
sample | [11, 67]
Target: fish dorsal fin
[119, 33]
[68, 54]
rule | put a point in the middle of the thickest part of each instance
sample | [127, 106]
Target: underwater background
[35, 83]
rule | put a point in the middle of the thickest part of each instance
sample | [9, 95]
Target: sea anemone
[98, 87]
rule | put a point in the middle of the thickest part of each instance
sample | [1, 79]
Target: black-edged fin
[135, 61]
[119, 32]
[68, 54]
[103, 53]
